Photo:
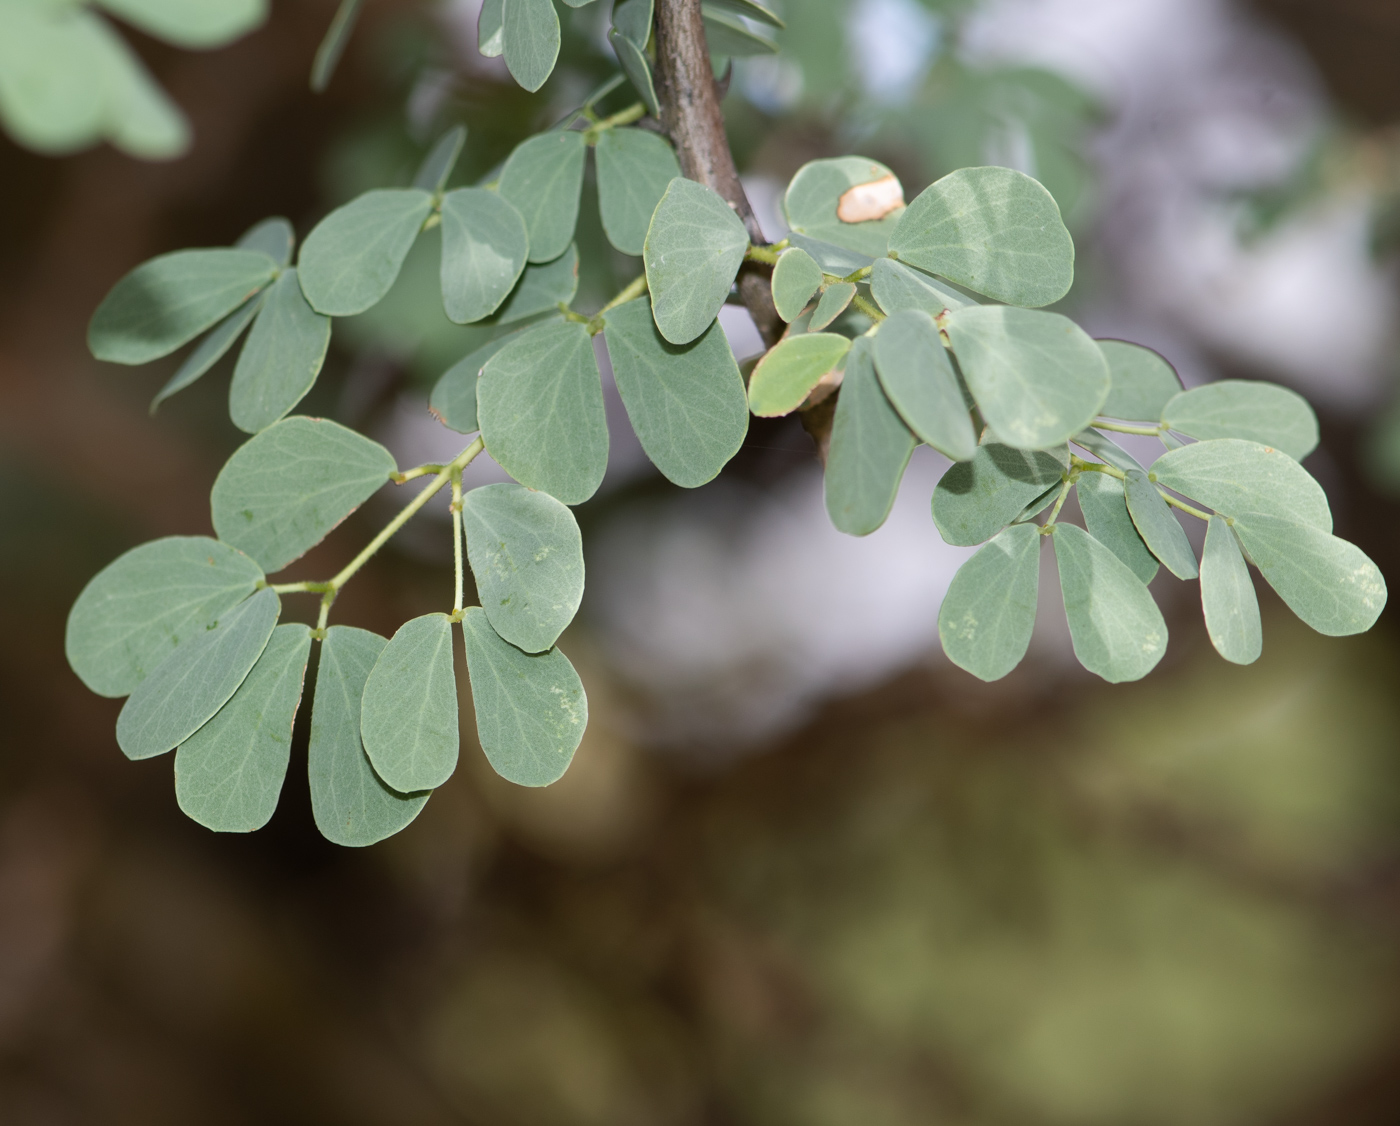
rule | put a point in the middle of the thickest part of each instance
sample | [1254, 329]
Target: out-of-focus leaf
[542, 179]
[191, 23]
[728, 37]
[408, 716]
[796, 279]
[976, 499]
[282, 358]
[987, 615]
[274, 237]
[633, 19]
[786, 375]
[635, 65]
[1227, 597]
[531, 40]
[334, 43]
[437, 166]
[350, 260]
[1234, 476]
[229, 773]
[1160, 530]
[634, 169]
[1237, 408]
[750, 8]
[490, 31]
[814, 194]
[693, 251]
[920, 382]
[1143, 381]
[870, 446]
[1105, 511]
[484, 247]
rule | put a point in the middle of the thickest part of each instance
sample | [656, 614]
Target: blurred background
[802, 871]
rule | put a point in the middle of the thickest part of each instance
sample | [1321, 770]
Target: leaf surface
[633, 18]
[350, 804]
[870, 446]
[490, 31]
[987, 615]
[1160, 530]
[1237, 408]
[352, 257]
[484, 247]
[686, 402]
[1105, 511]
[796, 279]
[1117, 630]
[751, 9]
[282, 358]
[542, 288]
[1228, 600]
[814, 194]
[137, 609]
[919, 380]
[995, 231]
[1143, 382]
[273, 237]
[229, 773]
[975, 499]
[180, 695]
[540, 406]
[1234, 476]
[530, 36]
[194, 24]
[454, 395]
[897, 287]
[1105, 449]
[786, 374]
[531, 710]
[634, 168]
[1037, 377]
[211, 349]
[637, 67]
[408, 717]
[542, 180]
[834, 300]
[728, 37]
[437, 166]
[693, 251]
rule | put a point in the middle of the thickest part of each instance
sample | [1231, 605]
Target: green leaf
[351, 805]
[1160, 530]
[831, 258]
[633, 18]
[531, 711]
[170, 300]
[1105, 449]
[1037, 377]
[191, 23]
[686, 402]
[334, 43]
[870, 446]
[540, 405]
[1233, 476]
[282, 358]
[52, 96]
[542, 179]
[694, 248]
[728, 37]
[750, 8]
[635, 65]
[790, 369]
[542, 288]
[490, 30]
[408, 718]
[897, 287]
[274, 237]
[814, 195]
[1105, 512]
[987, 615]
[835, 297]
[919, 379]
[1227, 597]
[1143, 382]
[283, 491]
[137, 609]
[229, 773]
[634, 168]
[993, 230]
[484, 247]
[437, 166]
[454, 395]
[211, 349]
[796, 279]
[1117, 630]
[975, 499]
[1236, 408]
[526, 552]
[349, 262]
[531, 39]
[197, 679]
[1327, 582]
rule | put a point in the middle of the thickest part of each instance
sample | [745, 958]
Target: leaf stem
[630, 292]
[1059, 504]
[299, 588]
[1125, 428]
[635, 112]
[768, 255]
[1181, 504]
[868, 308]
[416, 471]
[858, 275]
[1096, 467]
[457, 542]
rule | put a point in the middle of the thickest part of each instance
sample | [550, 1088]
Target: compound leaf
[686, 402]
[1037, 377]
[1143, 382]
[484, 247]
[815, 195]
[197, 679]
[229, 773]
[1237, 408]
[1227, 597]
[1160, 530]
[350, 804]
[987, 615]
[693, 251]
[634, 169]
[834, 300]
[191, 23]
[976, 499]
[540, 405]
[282, 358]
[1117, 630]
[531, 710]
[919, 380]
[870, 446]
[1327, 582]
[281, 492]
[274, 237]
[408, 717]
[796, 279]
[437, 166]
[211, 349]
[137, 609]
[1105, 512]
[995, 231]
[542, 179]
[526, 553]
[542, 288]
[349, 262]
[531, 39]
[896, 287]
[790, 369]
[1234, 476]
[168, 301]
